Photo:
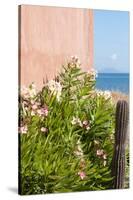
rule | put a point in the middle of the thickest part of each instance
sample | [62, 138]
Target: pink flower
[100, 152]
[86, 125]
[43, 111]
[44, 130]
[85, 122]
[23, 129]
[82, 175]
[34, 107]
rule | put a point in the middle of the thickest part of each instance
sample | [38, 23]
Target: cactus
[118, 162]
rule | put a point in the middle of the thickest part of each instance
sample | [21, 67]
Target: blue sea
[113, 81]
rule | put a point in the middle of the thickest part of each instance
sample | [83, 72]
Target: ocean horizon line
[113, 72]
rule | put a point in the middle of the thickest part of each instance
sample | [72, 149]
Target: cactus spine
[118, 162]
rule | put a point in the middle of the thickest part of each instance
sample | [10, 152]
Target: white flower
[25, 92]
[23, 129]
[32, 113]
[100, 152]
[76, 121]
[96, 142]
[26, 108]
[104, 163]
[28, 92]
[78, 151]
[111, 136]
[87, 128]
[106, 94]
[58, 96]
[93, 73]
[44, 130]
[32, 101]
[32, 90]
[43, 111]
[74, 57]
[75, 60]
[55, 87]
[79, 148]
[105, 156]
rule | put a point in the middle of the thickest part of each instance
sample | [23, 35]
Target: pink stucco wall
[50, 35]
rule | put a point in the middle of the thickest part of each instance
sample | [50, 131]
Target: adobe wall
[50, 35]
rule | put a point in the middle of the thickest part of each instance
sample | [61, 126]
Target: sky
[111, 41]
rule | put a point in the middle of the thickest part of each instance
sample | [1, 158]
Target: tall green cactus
[118, 162]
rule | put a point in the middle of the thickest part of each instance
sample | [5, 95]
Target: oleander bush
[66, 134]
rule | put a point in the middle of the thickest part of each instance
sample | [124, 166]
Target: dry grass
[119, 96]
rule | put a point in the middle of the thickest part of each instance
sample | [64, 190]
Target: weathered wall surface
[50, 35]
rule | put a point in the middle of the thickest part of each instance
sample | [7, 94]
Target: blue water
[113, 81]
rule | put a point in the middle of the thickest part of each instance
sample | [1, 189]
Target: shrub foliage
[66, 134]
